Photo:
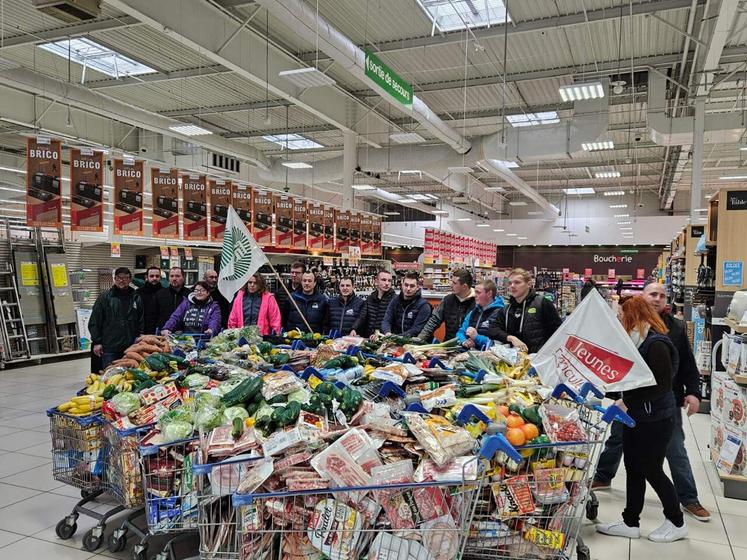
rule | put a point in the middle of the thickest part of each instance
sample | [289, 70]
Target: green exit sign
[388, 80]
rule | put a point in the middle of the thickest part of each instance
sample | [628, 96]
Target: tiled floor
[32, 502]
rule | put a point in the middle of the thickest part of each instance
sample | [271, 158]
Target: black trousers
[644, 448]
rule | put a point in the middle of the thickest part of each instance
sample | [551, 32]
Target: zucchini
[253, 407]
[139, 375]
[155, 363]
[244, 391]
[238, 428]
[278, 399]
[325, 387]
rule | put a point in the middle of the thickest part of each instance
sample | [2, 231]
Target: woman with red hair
[644, 446]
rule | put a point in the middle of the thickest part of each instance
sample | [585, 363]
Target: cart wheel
[65, 530]
[91, 542]
[592, 511]
[582, 552]
[140, 552]
[117, 541]
[85, 494]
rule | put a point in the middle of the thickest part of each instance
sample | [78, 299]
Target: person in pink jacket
[254, 305]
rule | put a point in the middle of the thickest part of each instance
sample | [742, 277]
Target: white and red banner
[591, 345]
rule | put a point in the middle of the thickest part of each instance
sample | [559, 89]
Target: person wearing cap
[117, 318]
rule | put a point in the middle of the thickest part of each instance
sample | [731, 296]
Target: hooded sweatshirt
[451, 311]
[406, 317]
[485, 320]
[195, 316]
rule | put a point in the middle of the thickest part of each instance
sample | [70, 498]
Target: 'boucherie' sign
[612, 259]
[592, 346]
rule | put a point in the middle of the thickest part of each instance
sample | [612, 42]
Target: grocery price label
[263, 209]
[195, 202]
[220, 200]
[283, 221]
[164, 185]
[591, 345]
[128, 197]
[86, 190]
[300, 222]
[43, 184]
[730, 450]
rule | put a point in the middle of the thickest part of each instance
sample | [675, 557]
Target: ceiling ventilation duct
[69, 11]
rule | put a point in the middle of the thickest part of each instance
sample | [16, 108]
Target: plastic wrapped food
[234, 412]
[208, 418]
[180, 414]
[126, 403]
[196, 381]
[176, 430]
[280, 383]
[441, 439]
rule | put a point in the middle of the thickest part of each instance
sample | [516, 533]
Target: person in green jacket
[117, 319]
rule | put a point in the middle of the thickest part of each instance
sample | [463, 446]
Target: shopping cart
[169, 491]
[420, 520]
[80, 458]
[533, 507]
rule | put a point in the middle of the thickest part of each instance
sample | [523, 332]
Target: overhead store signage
[343, 231]
[444, 245]
[355, 229]
[164, 185]
[736, 200]
[43, 192]
[388, 80]
[194, 195]
[316, 226]
[366, 230]
[128, 197]
[86, 190]
[329, 228]
[241, 199]
[300, 222]
[263, 212]
[283, 221]
[220, 200]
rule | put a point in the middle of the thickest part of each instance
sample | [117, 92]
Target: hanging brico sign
[43, 192]
[220, 200]
[86, 190]
[194, 194]
[388, 80]
[164, 184]
[128, 197]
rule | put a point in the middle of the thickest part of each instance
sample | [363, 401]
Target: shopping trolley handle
[435, 362]
[476, 377]
[495, 443]
[616, 414]
[585, 389]
[388, 389]
[416, 407]
[334, 333]
[468, 412]
[309, 371]
[242, 341]
[298, 345]
[353, 350]
[563, 388]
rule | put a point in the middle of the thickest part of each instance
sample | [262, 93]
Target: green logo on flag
[237, 251]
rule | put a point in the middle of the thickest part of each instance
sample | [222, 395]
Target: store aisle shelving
[32, 502]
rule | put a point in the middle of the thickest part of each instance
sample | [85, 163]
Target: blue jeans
[679, 464]
[108, 357]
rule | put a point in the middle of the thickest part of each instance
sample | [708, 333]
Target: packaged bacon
[441, 439]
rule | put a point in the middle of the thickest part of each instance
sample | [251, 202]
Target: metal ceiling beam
[233, 108]
[725, 20]
[200, 71]
[543, 24]
[74, 30]
[204, 28]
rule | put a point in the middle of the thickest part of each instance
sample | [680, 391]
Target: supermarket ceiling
[284, 81]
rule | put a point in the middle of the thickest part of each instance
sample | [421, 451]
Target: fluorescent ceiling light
[363, 188]
[626, 228]
[533, 119]
[596, 146]
[618, 205]
[406, 138]
[517, 203]
[296, 165]
[614, 193]
[307, 77]
[521, 237]
[406, 201]
[622, 215]
[733, 178]
[623, 223]
[499, 230]
[579, 190]
[460, 169]
[189, 129]
[701, 210]
[13, 170]
[506, 164]
[535, 213]
[410, 172]
[606, 174]
[512, 234]
[292, 141]
[440, 212]
[494, 189]
[461, 14]
[463, 219]
[483, 225]
[581, 92]
[432, 196]
[391, 213]
[92, 55]
[419, 196]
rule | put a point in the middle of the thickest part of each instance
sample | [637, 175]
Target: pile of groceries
[311, 448]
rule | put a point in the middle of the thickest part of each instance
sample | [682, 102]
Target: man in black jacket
[296, 270]
[148, 293]
[211, 277]
[344, 308]
[686, 388]
[407, 313]
[374, 308]
[453, 308]
[168, 299]
[312, 305]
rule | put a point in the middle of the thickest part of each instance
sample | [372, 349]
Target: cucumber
[238, 428]
[244, 391]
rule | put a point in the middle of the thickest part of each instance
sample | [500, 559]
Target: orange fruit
[504, 410]
[530, 431]
[516, 437]
[513, 420]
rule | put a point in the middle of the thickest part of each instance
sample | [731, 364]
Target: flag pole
[290, 297]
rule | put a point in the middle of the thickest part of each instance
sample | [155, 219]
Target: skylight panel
[533, 119]
[292, 141]
[452, 15]
[90, 54]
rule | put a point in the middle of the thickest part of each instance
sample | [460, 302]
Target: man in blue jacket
[312, 305]
[407, 313]
[344, 308]
[480, 326]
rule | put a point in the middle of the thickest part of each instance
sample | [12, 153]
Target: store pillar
[349, 163]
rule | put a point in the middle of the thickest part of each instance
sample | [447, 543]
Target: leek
[446, 345]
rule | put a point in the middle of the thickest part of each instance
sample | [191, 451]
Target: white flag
[241, 257]
[591, 345]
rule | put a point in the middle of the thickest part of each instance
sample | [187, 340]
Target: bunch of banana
[91, 379]
[82, 406]
[120, 382]
[368, 369]
[96, 388]
[129, 376]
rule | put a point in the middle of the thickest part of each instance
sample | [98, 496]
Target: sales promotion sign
[343, 231]
[329, 228]
[194, 195]
[366, 224]
[220, 200]
[283, 221]
[300, 220]
[592, 346]
[316, 226]
[164, 184]
[263, 211]
[86, 190]
[43, 193]
[128, 197]
[355, 230]
[241, 196]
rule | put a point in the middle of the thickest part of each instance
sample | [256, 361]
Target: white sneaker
[668, 532]
[618, 529]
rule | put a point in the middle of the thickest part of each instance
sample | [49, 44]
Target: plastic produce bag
[180, 414]
[196, 381]
[207, 418]
[591, 345]
[234, 412]
[126, 403]
[176, 430]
